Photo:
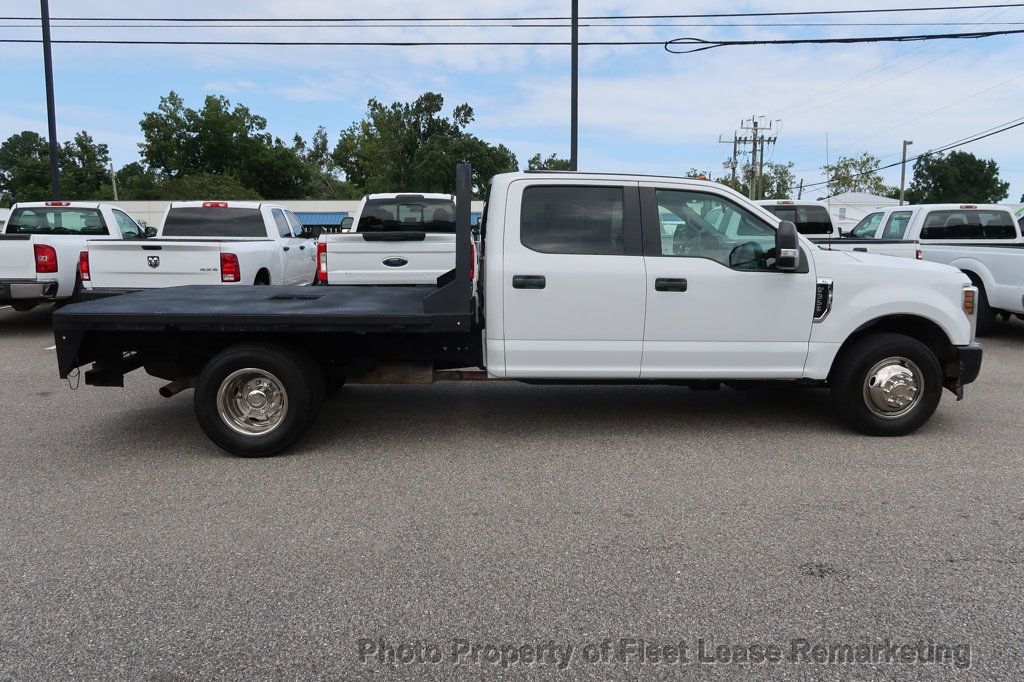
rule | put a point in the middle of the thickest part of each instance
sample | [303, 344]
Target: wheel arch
[262, 276]
[916, 327]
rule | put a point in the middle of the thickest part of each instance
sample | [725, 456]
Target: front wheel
[887, 384]
[255, 400]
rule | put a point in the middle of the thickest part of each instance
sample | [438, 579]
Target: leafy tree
[957, 178]
[777, 180]
[137, 182]
[206, 186]
[324, 175]
[24, 168]
[221, 140]
[856, 174]
[410, 146]
[550, 163]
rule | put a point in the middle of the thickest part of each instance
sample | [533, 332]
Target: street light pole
[574, 139]
[51, 112]
[903, 169]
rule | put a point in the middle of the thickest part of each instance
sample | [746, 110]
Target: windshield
[50, 220]
[214, 222]
[408, 214]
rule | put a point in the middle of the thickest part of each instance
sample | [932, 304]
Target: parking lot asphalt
[468, 515]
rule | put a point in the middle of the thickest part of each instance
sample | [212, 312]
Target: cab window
[867, 227]
[283, 228]
[699, 225]
[968, 224]
[896, 226]
[573, 220]
[129, 228]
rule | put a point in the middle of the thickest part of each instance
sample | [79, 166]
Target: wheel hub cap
[892, 388]
[252, 402]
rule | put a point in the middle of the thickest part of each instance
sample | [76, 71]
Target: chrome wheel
[893, 388]
[252, 402]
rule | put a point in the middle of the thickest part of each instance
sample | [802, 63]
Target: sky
[642, 110]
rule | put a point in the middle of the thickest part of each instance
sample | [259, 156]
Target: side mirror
[787, 247]
[840, 231]
[150, 232]
[346, 223]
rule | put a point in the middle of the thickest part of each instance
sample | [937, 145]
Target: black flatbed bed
[261, 308]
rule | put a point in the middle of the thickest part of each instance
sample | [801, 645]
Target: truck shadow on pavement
[39, 319]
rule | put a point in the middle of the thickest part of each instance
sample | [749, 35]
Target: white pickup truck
[395, 239]
[205, 242]
[588, 278]
[982, 240]
[41, 243]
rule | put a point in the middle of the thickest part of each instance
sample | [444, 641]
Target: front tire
[887, 384]
[255, 400]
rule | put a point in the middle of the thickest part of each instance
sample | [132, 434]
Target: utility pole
[758, 141]
[903, 169]
[800, 192]
[113, 179]
[574, 143]
[732, 163]
[756, 172]
[51, 110]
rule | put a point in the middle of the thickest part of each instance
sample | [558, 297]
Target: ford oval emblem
[395, 262]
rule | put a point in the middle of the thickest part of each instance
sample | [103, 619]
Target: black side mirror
[787, 247]
[150, 232]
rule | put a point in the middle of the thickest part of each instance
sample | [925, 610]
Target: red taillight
[229, 270]
[83, 266]
[46, 258]
[321, 262]
[215, 204]
[472, 260]
[920, 254]
[58, 203]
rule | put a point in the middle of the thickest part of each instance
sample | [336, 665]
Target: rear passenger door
[573, 280]
[288, 251]
[303, 251]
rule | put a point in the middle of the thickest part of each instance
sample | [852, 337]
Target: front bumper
[27, 290]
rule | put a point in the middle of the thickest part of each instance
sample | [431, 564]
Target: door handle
[287, 248]
[302, 248]
[668, 284]
[860, 248]
[528, 282]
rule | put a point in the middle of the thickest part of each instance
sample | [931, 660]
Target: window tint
[968, 224]
[283, 229]
[896, 225]
[701, 225]
[129, 229]
[214, 222]
[867, 227]
[578, 220]
[409, 213]
[87, 221]
[808, 219]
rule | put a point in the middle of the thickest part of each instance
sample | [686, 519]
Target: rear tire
[887, 384]
[256, 399]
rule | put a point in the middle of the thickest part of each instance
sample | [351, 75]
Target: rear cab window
[189, 221]
[54, 220]
[968, 224]
[808, 219]
[408, 213]
[573, 220]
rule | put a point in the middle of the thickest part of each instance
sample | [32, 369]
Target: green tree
[84, 169]
[24, 168]
[553, 162]
[137, 182]
[957, 178]
[221, 140]
[411, 146]
[777, 180]
[856, 174]
[324, 175]
[206, 186]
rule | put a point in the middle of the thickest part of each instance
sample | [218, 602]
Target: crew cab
[982, 240]
[205, 242]
[395, 239]
[40, 245]
[587, 278]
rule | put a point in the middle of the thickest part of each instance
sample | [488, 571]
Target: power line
[694, 45]
[932, 152]
[883, 10]
[816, 24]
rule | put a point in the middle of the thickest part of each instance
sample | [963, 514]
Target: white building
[848, 208]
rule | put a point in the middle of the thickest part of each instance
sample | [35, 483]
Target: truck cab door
[716, 307]
[303, 252]
[573, 280]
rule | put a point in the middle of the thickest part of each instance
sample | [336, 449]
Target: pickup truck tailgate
[17, 257]
[153, 263]
[387, 258]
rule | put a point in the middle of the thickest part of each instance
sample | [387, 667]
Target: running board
[416, 373]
